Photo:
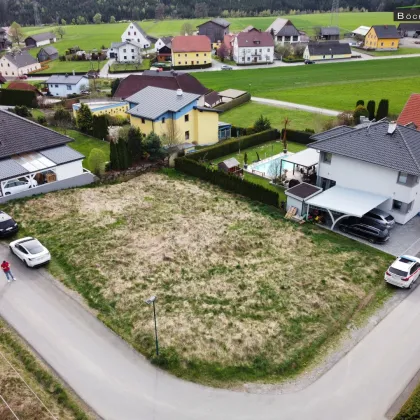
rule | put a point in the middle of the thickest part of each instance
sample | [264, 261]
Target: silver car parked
[381, 217]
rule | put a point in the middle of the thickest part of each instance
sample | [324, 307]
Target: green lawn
[84, 144]
[58, 66]
[145, 65]
[400, 51]
[246, 114]
[335, 86]
[94, 36]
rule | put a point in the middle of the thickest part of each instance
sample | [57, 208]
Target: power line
[8, 406]
[33, 392]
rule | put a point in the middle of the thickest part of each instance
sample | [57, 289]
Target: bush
[359, 112]
[411, 409]
[15, 97]
[229, 182]
[371, 106]
[97, 161]
[117, 120]
[22, 111]
[383, 109]
[360, 102]
[41, 120]
[262, 124]
[100, 127]
[233, 145]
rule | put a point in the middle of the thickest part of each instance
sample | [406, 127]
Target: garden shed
[297, 195]
[230, 166]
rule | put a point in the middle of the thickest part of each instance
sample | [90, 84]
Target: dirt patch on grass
[242, 294]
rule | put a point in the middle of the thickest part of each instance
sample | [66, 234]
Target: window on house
[179, 55]
[132, 57]
[124, 50]
[186, 118]
[382, 44]
[8, 65]
[129, 33]
[187, 135]
[393, 44]
[198, 62]
[260, 50]
[56, 86]
[68, 87]
[125, 57]
[205, 62]
[407, 179]
[185, 55]
[205, 54]
[401, 206]
[135, 33]
[327, 157]
[179, 62]
[196, 55]
[132, 49]
[163, 120]
[249, 58]
[186, 62]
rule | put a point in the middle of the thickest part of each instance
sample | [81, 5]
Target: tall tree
[172, 134]
[371, 106]
[160, 11]
[97, 18]
[100, 127]
[114, 86]
[114, 155]
[222, 52]
[135, 144]
[112, 19]
[85, 119]
[383, 109]
[201, 10]
[60, 31]
[153, 146]
[16, 33]
[186, 29]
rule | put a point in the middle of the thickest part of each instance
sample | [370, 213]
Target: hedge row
[302, 137]
[18, 97]
[234, 103]
[228, 182]
[201, 66]
[411, 409]
[234, 145]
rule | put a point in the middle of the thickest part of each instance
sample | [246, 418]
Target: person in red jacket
[6, 268]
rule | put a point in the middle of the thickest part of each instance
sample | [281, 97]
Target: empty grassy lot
[246, 114]
[242, 294]
[18, 396]
[336, 86]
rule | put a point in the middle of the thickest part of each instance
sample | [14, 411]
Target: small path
[104, 73]
[300, 107]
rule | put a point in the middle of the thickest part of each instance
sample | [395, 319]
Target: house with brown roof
[191, 51]
[253, 48]
[410, 115]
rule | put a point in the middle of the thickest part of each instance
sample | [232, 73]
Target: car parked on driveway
[8, 225]
[373, 232]
[30, 251]
[17, 185]
[226, 67]
[309, 62]
[403, 272]
[381, 217]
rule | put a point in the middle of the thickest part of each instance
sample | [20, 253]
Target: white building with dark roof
[135, 34]
[18, 64]
[38, 40]
[35, 159]
[63, 84]
[284, 32]
[125, 52]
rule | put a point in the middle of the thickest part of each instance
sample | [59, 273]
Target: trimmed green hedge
[18, 97]
[411, 409]
[234, 145]
[302, 137]
[234, 103]
[189, 67]
[228, 182]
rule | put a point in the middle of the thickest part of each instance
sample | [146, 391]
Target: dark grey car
[380, 217]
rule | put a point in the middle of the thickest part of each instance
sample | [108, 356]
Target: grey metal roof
[330, 30]
[50, 50]
[327, 48]
[399, 151]
[62, 154]
[229, 163]
[9, 168]
[152, 102]
[411, 26]
[386, 31]
[283, 27]
[65, 79]
[42, 37]
[19, 135]
[21, 59]
[118, 44]
[166, 40]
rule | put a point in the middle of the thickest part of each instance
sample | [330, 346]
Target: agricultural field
[69, 66]
[246, 114]
[235, 301]
[18, 364]
[336, 86]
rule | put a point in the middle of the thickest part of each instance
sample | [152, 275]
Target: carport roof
[307, 158]
[347, 201]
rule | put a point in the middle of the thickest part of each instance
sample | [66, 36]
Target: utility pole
[335, 11]
[36, 14]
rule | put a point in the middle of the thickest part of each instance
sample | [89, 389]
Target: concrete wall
[293, 202]
[191, 58]
[359, 175]
[77, 181]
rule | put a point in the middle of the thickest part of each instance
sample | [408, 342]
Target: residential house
[135, 34]
[63, 84]
[253, 48]
[172, 80]
[164, 54]
[191, 51]
[18, 64]
[4, 41]
[327, 50]
[19, 85]
[47, 54]
[250, 28]
[38, 40]
[163, 41]
[364, 168]
[284, 32]
[382, 38]
[212, 99]
[360, 32]
[410, 115]
[411, 29]
[330, 33]
[166, 111]
[214, 29]
[125, 52]
[31, 152]
[113, 109]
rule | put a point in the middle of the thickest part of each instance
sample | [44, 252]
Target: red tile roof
[23, 86]
[166, 80]
[255, 39]
[191, 43]
[411, 111]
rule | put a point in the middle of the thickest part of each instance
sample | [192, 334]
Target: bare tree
[172, 134]
[16, 33]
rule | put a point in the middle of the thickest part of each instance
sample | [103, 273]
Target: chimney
[74, 73]
[179, 92]
[392, 127]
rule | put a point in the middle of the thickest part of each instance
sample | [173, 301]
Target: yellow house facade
[382, 37]
[104, 108]
[175, 114]
[191, 51]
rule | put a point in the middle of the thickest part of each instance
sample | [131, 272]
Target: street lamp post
[151, 301]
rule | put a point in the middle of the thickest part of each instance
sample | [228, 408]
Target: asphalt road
[120, 384]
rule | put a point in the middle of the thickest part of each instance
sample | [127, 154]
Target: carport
[346, 202]
[307, 159]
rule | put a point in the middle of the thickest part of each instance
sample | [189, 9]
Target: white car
[30, 251]
[17, 185]
[403, 272]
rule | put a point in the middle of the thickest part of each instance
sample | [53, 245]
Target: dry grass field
[18, 396]
[242, 294]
